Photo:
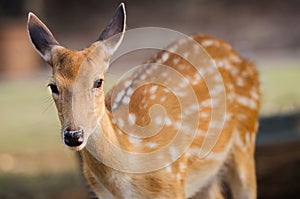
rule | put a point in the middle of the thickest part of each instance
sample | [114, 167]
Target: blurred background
[34, 163]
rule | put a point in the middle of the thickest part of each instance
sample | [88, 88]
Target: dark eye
[98, 83]
[53, 88]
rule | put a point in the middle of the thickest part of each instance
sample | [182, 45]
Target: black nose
[73, 138]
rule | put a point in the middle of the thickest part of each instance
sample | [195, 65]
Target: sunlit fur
[231, 161]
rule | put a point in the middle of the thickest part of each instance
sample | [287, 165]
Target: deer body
[230, 162]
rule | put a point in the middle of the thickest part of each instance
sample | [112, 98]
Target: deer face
[78, 76]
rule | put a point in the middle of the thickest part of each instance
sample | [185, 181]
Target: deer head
[78, 76]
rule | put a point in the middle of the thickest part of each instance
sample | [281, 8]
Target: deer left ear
[41, 37]
[113, 34]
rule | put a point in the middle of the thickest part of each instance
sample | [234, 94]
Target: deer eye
[53, 88]
[98, 83]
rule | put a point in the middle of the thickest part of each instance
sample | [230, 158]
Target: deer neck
[100, 144]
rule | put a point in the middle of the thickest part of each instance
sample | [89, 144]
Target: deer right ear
[41, 37]
[113, 34]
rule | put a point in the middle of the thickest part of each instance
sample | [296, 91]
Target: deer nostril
[73, 138]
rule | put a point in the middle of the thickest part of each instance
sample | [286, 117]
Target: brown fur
[231, 158]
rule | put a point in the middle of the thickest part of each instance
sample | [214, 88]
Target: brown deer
[204, 139]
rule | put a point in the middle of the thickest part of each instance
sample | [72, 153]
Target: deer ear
[41, 37]
[113, 34]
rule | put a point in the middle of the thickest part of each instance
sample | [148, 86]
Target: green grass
[280, 89]
[29, 129]
[24, 114]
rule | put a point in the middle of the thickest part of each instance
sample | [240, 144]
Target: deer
[204, 140]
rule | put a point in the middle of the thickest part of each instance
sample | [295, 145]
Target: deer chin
[77, 148]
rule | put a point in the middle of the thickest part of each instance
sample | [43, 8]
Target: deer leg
[215, 191]
[212, 191]
[241, 174]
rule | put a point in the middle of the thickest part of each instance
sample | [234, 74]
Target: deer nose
[73, 138]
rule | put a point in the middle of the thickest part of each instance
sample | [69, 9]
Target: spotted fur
[231, 159]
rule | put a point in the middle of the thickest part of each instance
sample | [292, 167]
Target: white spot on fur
[172, 49]
[131, 118]
[234, 71]
[219, 63]
[174, 153]
[240, 81]
[149, 71]
[216, 156]
[151, 145]
[182, 166]
[211, 70]
[119, 96]
[164, 74]
[187, 129]
[176, 61]
[153, 89]
[201, 132]
[196, 47]
[115, 105]
[166, 90]
[235, 58]
[178, 176]
[120, 122]
[197, 79]
[155, 66]
[218, 78]
[227, 65]
[143, 76]
[168, 121]
[238, 140]
[230, 96]
[158, 120]
[202, 71]
[228, 116]
[169, 169]
[216, 90]
[194, 107]
[254, 94]
[135, 141]
[152, 97]
[127, 83]
[207, 42]
[193, 151]
[163, 98]
[215, 124]
[184, 83]
[126, 100]
[186, 55]
[246, 102]
[181, 67]
[241, 116]
[203, 115]
[215, 102]
[180, 94]
[206, 103]
[129, 91]
[165, 57]
[177, 125]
